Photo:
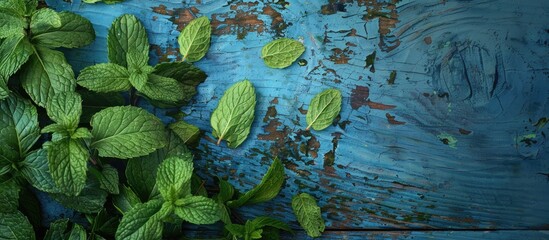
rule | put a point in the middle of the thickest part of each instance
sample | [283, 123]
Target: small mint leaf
[282, 52]
[105, 77]
[323, 109]
[194, 40]
[126, 34]
[172, 176]
[197, 210]
[308, 214]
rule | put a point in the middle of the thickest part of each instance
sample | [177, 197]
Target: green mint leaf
[323, 109]
[108, 179]
[236, 230]
[11, 24]
[15, 226]
[126, 33]
[183, 72]
[282, 52]
[9, 196]
[105, 77]
[125, 200]
[46, 74]
[93, 102]
[75, 31]
[194, 40]
[77, 233]
[162, 88]
[57, 230]
[226, 191]
[90, 200]
[57, 129]
[137, 61]
[189, 133]
[138, 80]
[141, 222]
[67, 161]
[65, 109]
[141, 171]
[233, 117]
[261, 222]
[267, 189]
[308, 214]
[197, 210]
[18, 128]
[16, 6]
[171, 176]
[82, 133]
[126, 132]
[45, 18]
[36, 170]
[14, 52]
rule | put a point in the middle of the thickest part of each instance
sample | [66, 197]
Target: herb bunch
[72, 137]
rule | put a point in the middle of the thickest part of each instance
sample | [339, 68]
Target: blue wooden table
[442, 132]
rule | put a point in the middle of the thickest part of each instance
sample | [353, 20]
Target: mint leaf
[172, 174]
[267, 189]
[194, 40]
[197, 210]
[11, 24]
[105, 77]
[126, 33]
[308, 214]
[90, 200]
[67, 161]
[183, 72]
[15, 226]
[189, 133]
[35, 169]
[75, 31]
[9, 196]
[233, 117]
[18, 128]
[81, 133]
[108, 179]
[46, 74]
[141, 222]
[77, 232]
[125, 200]
[141, 171]
[226, 191]
[45, 18]
[261, 222]
[65, 108]
[236, 230]
[126, 132]
[162, 88]
[14, 52]
[16, 6]
[323, 109]
[282, 52]
[57, 230]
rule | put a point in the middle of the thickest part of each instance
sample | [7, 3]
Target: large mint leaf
[282, 52]
[14, 52]
[35, 169]
[126, 132]
[197, 210]
[90, 200]
[126, 33]
[18, 128]
[233, 117]
[75, 31]
[194, 40]
[65, 108]
[9, 196]
[67, 160]
[141, 171]
[171, 176]
[11, 24]
[141, 222]
[308, 214]
[44, 18]
[162, 88]
[266, 190]
[323, 109]
[105, 77]
[46, 74]
[15, 226]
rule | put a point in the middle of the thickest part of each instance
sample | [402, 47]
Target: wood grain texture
[443, 130]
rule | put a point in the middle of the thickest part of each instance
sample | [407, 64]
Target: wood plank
[455, 140]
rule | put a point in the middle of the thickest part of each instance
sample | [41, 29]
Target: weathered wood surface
[455, 140]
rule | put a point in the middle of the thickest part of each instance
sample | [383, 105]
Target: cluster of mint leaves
[69, 150]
